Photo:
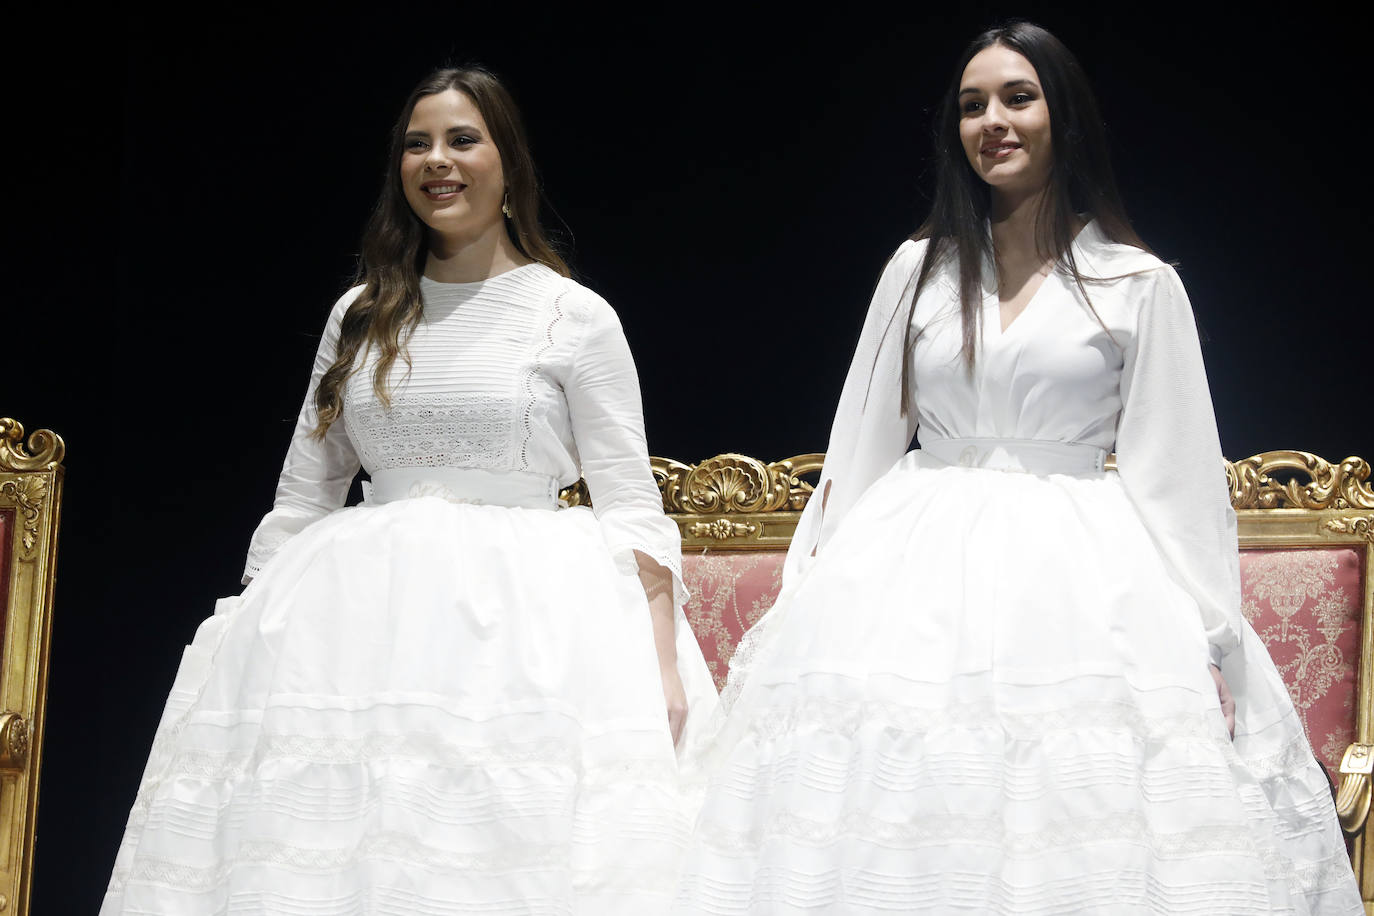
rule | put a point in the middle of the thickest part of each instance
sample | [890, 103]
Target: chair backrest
[737, 515]
[30, 508]
[1306, 555]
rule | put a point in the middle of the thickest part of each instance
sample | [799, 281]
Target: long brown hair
[1081, 182]
[394, 249]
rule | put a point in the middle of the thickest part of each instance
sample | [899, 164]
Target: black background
[186, 200]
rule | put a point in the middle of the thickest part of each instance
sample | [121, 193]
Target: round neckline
[442, 286]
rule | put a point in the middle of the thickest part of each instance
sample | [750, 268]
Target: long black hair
[1081, 182]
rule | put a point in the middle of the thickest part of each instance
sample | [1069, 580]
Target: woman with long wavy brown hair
[457, 696]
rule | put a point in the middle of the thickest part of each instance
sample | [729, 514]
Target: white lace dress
[446, 699]
[988, 691]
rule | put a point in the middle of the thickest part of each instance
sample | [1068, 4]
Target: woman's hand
[658, 589]
[1228, 702]
[675, 699]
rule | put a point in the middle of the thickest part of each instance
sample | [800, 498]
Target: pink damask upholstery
[1306, 606]
[730, 591]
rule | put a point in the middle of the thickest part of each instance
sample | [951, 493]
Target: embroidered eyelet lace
[432, 430]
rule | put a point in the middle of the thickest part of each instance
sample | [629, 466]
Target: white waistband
[479, 486]
[1031, 456]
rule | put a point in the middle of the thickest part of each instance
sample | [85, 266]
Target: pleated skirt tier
[419, 707]
[988, 696]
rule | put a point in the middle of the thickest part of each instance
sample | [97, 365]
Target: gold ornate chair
[1307, 587]
[1307, 550]
[737, 516]
[30, 508]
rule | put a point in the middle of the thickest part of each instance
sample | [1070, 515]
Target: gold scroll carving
[1359, 525]
[44, 451]
[1299, 480]
[31, 475]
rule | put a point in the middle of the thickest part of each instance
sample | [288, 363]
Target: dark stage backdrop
[185, 211]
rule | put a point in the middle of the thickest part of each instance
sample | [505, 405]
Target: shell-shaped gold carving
[45, 448]
[733, 483]
[1299, 480]
[727, 483]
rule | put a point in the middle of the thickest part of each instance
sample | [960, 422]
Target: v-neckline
[1005, 328]
[994, 293]
[993, 303]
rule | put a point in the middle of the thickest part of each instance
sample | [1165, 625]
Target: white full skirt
[988, 696]
[419, 707]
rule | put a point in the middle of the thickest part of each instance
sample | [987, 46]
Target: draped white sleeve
[1169, 456]
[317, 473]
[869, 434]
[607, 415]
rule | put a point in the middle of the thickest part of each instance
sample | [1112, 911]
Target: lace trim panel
[432, 430]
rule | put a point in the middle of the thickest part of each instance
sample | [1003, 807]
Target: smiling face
[1004, 122]
[450, 168]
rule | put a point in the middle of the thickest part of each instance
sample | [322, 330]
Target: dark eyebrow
[1009, 84]
[455, 129]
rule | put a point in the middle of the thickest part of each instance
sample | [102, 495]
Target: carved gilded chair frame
[1297, 500]
[735, 502]
[31, 505]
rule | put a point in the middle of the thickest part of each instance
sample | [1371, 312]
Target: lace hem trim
[1294, 757]
[991, 831]
[388, 847]
[1332, 873]
[165, 762]
[845, 719]
[217, 765]
[748, 654]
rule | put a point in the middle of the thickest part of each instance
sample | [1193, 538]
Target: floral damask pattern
[730, 590]
[1305, 605]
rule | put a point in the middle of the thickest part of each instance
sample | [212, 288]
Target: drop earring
[505, 205]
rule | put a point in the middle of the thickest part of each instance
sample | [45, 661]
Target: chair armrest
[1353, 796]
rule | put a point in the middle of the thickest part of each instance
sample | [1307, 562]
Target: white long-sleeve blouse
[527, 371]
[1057, 374]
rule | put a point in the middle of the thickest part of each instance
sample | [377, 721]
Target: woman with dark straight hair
[993, 681]
[459, 696]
